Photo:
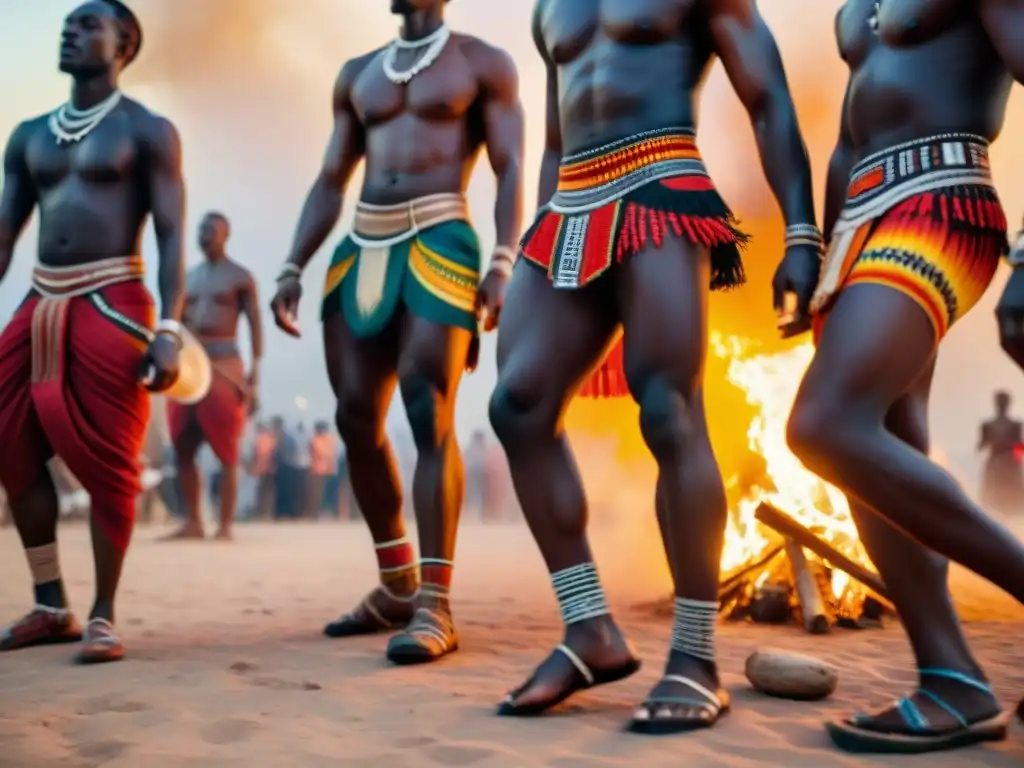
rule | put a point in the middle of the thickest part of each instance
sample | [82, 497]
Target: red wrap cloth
[221, 415]
[69, 384]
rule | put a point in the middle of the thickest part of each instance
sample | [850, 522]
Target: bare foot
[100, 644]
[187, 532]
[688, 696]
[224, 534]
[43, 626]
[429, 635]
[380, 611]
[595, 652]
[949, 709]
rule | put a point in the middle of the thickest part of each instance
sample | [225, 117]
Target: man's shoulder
[352, 68]
[491, 64]
[241, 272]
[151, 127]
[28, 128]
[479, 51]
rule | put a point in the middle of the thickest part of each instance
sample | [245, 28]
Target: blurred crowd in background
[293, 473]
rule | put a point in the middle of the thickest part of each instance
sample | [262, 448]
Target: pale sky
[248, 84]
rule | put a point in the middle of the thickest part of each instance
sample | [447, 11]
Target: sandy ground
[227, 665]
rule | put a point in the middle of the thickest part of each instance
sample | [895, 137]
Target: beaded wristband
[288, 271]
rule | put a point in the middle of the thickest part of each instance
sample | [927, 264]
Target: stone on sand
[791, 675]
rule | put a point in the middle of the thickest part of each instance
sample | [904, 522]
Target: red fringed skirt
[616, 200]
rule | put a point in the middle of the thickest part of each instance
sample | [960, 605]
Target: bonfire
[791, 546]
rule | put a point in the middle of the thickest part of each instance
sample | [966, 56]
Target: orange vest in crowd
[322, 458]
[263, 461]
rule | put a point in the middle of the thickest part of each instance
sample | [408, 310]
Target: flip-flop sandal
[44, 625]
[428, 637]
[100, 644]
[581, 678]
[919, 736]
[658, 716]
[365, 619]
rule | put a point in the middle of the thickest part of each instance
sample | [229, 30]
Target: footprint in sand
[104, 704]
[278, 684]
[102, 751]
[230, 731]
[455, 755]
[414, 742]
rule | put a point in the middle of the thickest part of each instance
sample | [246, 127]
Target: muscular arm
[18, 198]
[552, 124]
[747, 49]
[344, 150]
[839, 168]
[1004, 22]
[167, 201]
[251, 310]
[503, 130]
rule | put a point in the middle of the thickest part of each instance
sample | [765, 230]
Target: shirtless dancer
[916, 232]
[402, 298]
[628, 195]
[74, 354]
[217, 293]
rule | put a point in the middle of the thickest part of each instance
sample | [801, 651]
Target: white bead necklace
[434, 44]
[69, 125]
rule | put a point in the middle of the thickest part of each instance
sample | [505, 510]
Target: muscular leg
[862, 366]
[663, 304]
[363, 375]
[917, 581]
[186, 449]
[35, 512]
[228, 501]
[837, 428]
[548, 341]
[430, 365]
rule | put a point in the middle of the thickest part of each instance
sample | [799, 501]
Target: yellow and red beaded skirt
[924, 219]
[618, 199]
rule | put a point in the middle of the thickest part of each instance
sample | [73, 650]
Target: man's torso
[92, 195]
[215, 293]
[422, 138]
[624, 66]
[931, 71]
[1003, 435]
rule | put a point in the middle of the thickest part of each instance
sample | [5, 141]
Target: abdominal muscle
[410, 157]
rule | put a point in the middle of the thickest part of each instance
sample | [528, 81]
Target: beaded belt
[81, 279]
[595, 177]
[379, 226]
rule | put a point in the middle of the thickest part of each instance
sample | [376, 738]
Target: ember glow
[770, 382]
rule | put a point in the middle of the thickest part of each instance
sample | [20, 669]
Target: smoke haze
[248, 84]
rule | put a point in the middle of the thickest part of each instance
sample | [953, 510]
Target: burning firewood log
[790, 528]
[815, 614]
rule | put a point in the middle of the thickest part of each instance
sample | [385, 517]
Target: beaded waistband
[81, 279]
[602, 174]
[916, 166]
[382, 225]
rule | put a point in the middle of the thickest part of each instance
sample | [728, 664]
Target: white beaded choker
[434, 44]
[69, 125]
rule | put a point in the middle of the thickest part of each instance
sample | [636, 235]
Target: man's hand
[490, 298]
[1010, 313]
[285, 304]
[792, 288]
[159, 370]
